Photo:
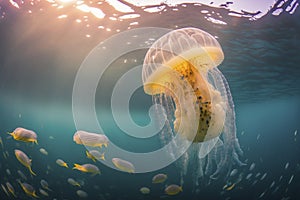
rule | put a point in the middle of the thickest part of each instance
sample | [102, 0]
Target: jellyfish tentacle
[232, 149]
[238, 148]
[234, 139]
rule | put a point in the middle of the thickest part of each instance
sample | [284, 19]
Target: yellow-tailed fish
[73, 182]
[29, 190]
[11, 189]
[62, 163]
[25, 135]
[95, 155]
[87, 168]
[24, 160]
[229, 187]
[43, 192]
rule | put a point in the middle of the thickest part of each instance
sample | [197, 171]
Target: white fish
[275, 190]
[81, 194]
[8, 172]
[45, 185]
[123, 165]
[90, 139]
[272, 184]
[263, 176]
[5, 190]
[43, 192]
[286, 165]
[145, 190]
[248, 176]
[291, 179]
[43, 151]
[73, 182]
[258, 136]
[233, 172]
[22, 175]
[262, 194]
[252, 166]
[257, 175]
[159, 178]
[254, 182]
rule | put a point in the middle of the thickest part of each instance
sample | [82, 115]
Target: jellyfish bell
[180, 72]
[187, 54]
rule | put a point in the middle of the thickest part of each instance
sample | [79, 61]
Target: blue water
[38, 66]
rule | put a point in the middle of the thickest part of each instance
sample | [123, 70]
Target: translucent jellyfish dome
[187, 55]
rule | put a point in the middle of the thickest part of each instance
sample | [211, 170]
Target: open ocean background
[39, 58]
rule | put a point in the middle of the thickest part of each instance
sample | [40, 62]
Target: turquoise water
[40, 56]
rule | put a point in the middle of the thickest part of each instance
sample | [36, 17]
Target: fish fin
[66, 165]
[76, 166]
[102, 156]
[94, 159]
[34, 195]
[94, 174]
[35, 141]
[31, 172]
[87, 154]
[180, 188]
[105, 144]
[11, 134]
[49, 189]
[19, 181]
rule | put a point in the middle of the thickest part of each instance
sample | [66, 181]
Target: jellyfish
[180, 73]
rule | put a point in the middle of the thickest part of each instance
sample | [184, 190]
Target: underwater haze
[44, 45]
